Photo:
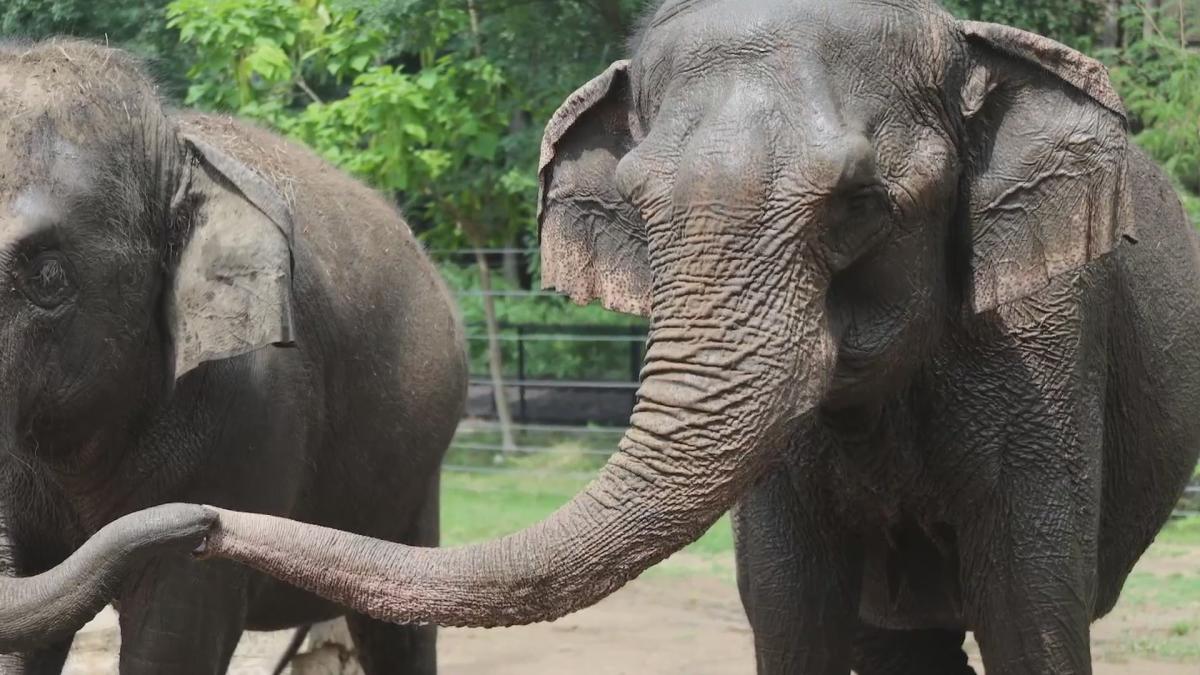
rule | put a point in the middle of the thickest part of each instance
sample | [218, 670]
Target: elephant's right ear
[231, 286]
[1047, 188]
[593, 241]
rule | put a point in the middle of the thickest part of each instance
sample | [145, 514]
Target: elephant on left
[196, 310]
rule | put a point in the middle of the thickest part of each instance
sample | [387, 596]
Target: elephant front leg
[181, 617]
[46, 661]
[797, 579]
[1028, 573]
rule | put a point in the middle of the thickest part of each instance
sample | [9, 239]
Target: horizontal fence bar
[546, 428]
[557, 384]
[572, 328]
[484, 251]
[532, 473]
[488, 447]
[510, 294]
[562, 337]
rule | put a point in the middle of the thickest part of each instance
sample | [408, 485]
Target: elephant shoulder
[1156, 203]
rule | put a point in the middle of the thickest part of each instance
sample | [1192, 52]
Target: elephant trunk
[38, 610]
[716, 399]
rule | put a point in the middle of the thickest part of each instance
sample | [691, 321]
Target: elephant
[921, 316]
[199, 310]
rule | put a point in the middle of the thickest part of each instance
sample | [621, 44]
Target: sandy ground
[662, 623]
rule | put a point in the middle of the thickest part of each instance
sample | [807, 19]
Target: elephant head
[133, 252]
[798, 194]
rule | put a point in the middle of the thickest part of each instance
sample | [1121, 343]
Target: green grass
[1169, 591]
[1185, 532]
[477, 507]
[480, 507]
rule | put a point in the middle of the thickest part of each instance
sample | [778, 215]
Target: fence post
[522, 413]
[635, 360]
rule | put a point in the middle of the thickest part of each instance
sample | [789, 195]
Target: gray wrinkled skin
[899, 323]
[151, 259]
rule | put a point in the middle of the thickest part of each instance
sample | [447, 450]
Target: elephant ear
[593, 241]
[1046, 162]
[232, 288]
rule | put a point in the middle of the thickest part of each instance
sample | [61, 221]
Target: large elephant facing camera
[898, 322]
[151, 259]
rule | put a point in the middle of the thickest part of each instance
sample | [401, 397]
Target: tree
[1159, 79]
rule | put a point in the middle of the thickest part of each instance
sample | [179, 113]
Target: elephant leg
[182, 617]
[1028, 574]
[397, 650]
[797, 579]
[900, 652]
[46, 661]
[389, 649]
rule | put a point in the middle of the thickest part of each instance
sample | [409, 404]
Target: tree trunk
[510, 262]
[495, 358]
[1151, 13]
[1112, 24]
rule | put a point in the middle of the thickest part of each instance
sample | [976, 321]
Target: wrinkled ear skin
[1046, 164]
[593, 243]
[231, 287]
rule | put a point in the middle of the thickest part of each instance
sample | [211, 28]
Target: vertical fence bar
[635, 361]
[522, 411]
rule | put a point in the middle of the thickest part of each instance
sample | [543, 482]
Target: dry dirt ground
[670, 621]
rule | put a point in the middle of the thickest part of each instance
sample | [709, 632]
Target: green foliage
[437, 112]
[258, 57]
[1072, 22]
[1159, 79]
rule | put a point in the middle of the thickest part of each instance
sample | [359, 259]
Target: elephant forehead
[38, 160]
[891, 35]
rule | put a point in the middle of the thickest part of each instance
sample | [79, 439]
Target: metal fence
[580, 397]
[1189, 507]
[579, 417]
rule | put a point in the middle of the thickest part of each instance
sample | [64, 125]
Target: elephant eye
[46, 280]
[866, 201]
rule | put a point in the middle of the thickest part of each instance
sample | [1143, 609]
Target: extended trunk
[710, 410]
[38, 610]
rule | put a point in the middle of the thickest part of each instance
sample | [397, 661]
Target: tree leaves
[411, 95]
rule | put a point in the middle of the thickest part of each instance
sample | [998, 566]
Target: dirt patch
[664, 623]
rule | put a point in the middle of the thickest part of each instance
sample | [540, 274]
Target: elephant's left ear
[593, 241]
[1046, 162]
[231, 291]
